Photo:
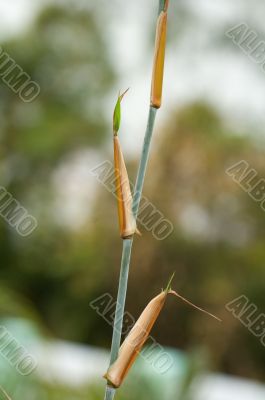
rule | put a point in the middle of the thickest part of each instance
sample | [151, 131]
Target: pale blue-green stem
[127, 243]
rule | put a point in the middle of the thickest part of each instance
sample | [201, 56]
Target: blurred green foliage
[36, 137]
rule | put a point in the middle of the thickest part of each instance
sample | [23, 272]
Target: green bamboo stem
[143, 161]
[124, 272]
[127, 247]
[127, 243]
[161, 6]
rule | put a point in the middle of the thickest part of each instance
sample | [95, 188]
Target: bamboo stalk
[127, 243]
[126, 250]
[124, 272]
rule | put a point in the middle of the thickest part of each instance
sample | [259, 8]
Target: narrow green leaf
[117, 113]
[168, 288]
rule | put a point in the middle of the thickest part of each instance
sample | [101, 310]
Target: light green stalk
[161, 6]
[127, 243]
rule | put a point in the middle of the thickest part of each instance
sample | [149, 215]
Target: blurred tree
[64, 51]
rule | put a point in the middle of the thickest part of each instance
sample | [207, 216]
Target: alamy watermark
[15, 214]
[16, 79]
[3, 394]
[247, 178]
[247, 313]
[148, 215]
[153, 353]
[16, 354]
[249, 42]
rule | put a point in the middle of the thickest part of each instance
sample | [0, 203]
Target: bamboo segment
[139, 334]
[159, 58]
[135, 341]
[127, 244]
[127, 221]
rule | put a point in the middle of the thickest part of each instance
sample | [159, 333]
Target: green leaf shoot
[117, 113]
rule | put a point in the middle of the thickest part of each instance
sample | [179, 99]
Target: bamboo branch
[127, 243]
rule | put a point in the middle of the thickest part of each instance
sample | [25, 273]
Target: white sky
[16, 15]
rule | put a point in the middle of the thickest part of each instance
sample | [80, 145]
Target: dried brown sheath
[138, 336]
[159, 58]
[135, 341]
[123, 192]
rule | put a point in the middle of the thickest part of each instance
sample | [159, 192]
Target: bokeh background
[82, 53]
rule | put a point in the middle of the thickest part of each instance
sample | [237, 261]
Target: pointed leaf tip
[117, 113]
[168, 288]
[123, 94]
